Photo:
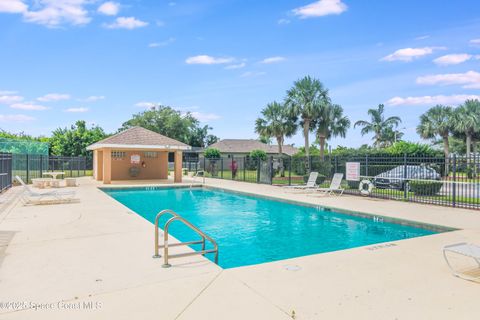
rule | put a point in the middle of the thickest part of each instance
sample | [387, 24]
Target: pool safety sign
[135, 159]
[353, 171]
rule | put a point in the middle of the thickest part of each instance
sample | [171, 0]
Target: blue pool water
[251, 230]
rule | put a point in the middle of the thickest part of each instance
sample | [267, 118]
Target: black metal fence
[28, 166]
[453, 181]
[5, 171]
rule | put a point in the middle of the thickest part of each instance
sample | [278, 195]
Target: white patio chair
[198, 174]
[468, 250]
[311, 183]
[335, 186]
[51, 197]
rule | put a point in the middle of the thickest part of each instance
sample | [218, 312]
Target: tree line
[73, 140]
[308, 107]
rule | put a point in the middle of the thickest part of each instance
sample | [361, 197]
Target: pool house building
[136, 154]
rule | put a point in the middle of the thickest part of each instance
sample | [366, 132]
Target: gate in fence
[5, 171]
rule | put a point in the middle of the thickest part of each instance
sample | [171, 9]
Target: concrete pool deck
[93, 260]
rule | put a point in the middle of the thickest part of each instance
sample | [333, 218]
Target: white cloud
[204, 117]
[469, 79]
[475, 42]
[54, 97]
[252, 74]
[283, 21]
[161, 43]
[9, 97]
[53, 13]
[236, 66]
[320, 8]
[272, 60]
[93, 98]
[205, 59]
[76, 110]
[28, 106]
[422, 37]
[409, 54]
[450, 59]
[15, 118]
[126, 23]
[13, 6]
[146, 104]
[431, 100]
[109, 8]
[7, 92]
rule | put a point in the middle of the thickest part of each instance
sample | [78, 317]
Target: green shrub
[425, 188]
[353, 184]
[211, 153]
[411, 149]
[322, 167]
[258, 154]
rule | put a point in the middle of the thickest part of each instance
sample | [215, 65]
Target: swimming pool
[251, 230]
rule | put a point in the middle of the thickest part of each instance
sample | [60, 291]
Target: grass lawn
[400, 195]
[251, 176]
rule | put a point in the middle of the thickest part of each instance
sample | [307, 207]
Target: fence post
[27, 167]
[258, 170]
[41, 165]
[244, 167]
[290, 171]
[231, 168]
[454, 187]
[71, 166]
[405, 190]
[270, 166]
[221, 168]
[366, 166]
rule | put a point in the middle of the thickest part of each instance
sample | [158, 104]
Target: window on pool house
[150, 154]
[118, 155]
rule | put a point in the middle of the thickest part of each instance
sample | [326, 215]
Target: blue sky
[101, 61]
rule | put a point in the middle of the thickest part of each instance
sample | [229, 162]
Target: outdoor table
[54, 174]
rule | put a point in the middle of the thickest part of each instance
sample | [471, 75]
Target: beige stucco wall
[155, 168]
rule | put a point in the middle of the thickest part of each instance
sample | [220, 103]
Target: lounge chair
[51, 197]
[335, 186]
[311, 183]
[198, 174]
[467, 250]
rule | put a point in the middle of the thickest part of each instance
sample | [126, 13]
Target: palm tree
[390, 136]
[378, 124]
[437, 121]
[305, 101]
[276, 123]
[330, 123]
[467, 121]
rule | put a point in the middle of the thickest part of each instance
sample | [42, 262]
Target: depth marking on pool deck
[381, 246]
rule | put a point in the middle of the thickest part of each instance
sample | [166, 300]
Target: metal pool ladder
[166, 245]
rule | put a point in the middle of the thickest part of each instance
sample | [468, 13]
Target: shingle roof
[247, 145]
[138, 137]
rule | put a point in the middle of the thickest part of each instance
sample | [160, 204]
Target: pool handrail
[166, 245]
